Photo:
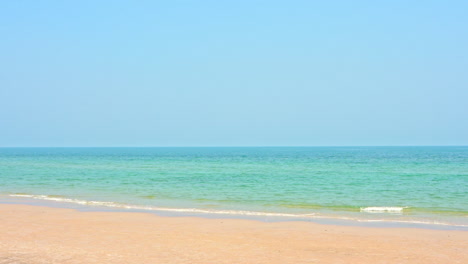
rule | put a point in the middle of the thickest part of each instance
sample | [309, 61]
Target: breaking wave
[383, 209]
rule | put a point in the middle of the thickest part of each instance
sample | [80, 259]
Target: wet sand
[35, 234]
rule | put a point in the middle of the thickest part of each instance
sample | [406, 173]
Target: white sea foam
[383, 209]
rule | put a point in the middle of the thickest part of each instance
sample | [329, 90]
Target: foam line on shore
[55, 198]
[152, 208]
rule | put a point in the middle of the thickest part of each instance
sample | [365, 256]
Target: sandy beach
[35, 234]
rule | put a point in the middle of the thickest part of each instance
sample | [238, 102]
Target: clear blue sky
[233, 73]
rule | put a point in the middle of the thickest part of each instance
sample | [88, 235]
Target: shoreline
[84, 206]
[38, 234]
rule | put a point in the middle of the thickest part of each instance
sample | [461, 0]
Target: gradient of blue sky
[233, 73]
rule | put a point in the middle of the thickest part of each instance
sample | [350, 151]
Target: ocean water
[427, 185]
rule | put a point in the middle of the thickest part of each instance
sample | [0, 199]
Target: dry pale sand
[33, 234]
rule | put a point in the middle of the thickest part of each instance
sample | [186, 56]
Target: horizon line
[246, 146]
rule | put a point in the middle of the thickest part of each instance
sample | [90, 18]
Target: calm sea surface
[399, 184]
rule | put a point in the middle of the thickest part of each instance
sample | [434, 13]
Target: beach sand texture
[34, 234]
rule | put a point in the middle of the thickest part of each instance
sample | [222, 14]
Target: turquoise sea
[425, 185]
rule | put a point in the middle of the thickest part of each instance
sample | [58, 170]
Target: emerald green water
[421, 184]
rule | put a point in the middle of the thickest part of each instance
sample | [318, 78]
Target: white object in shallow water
[383, 209]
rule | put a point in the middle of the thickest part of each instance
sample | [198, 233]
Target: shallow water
[399, 184]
